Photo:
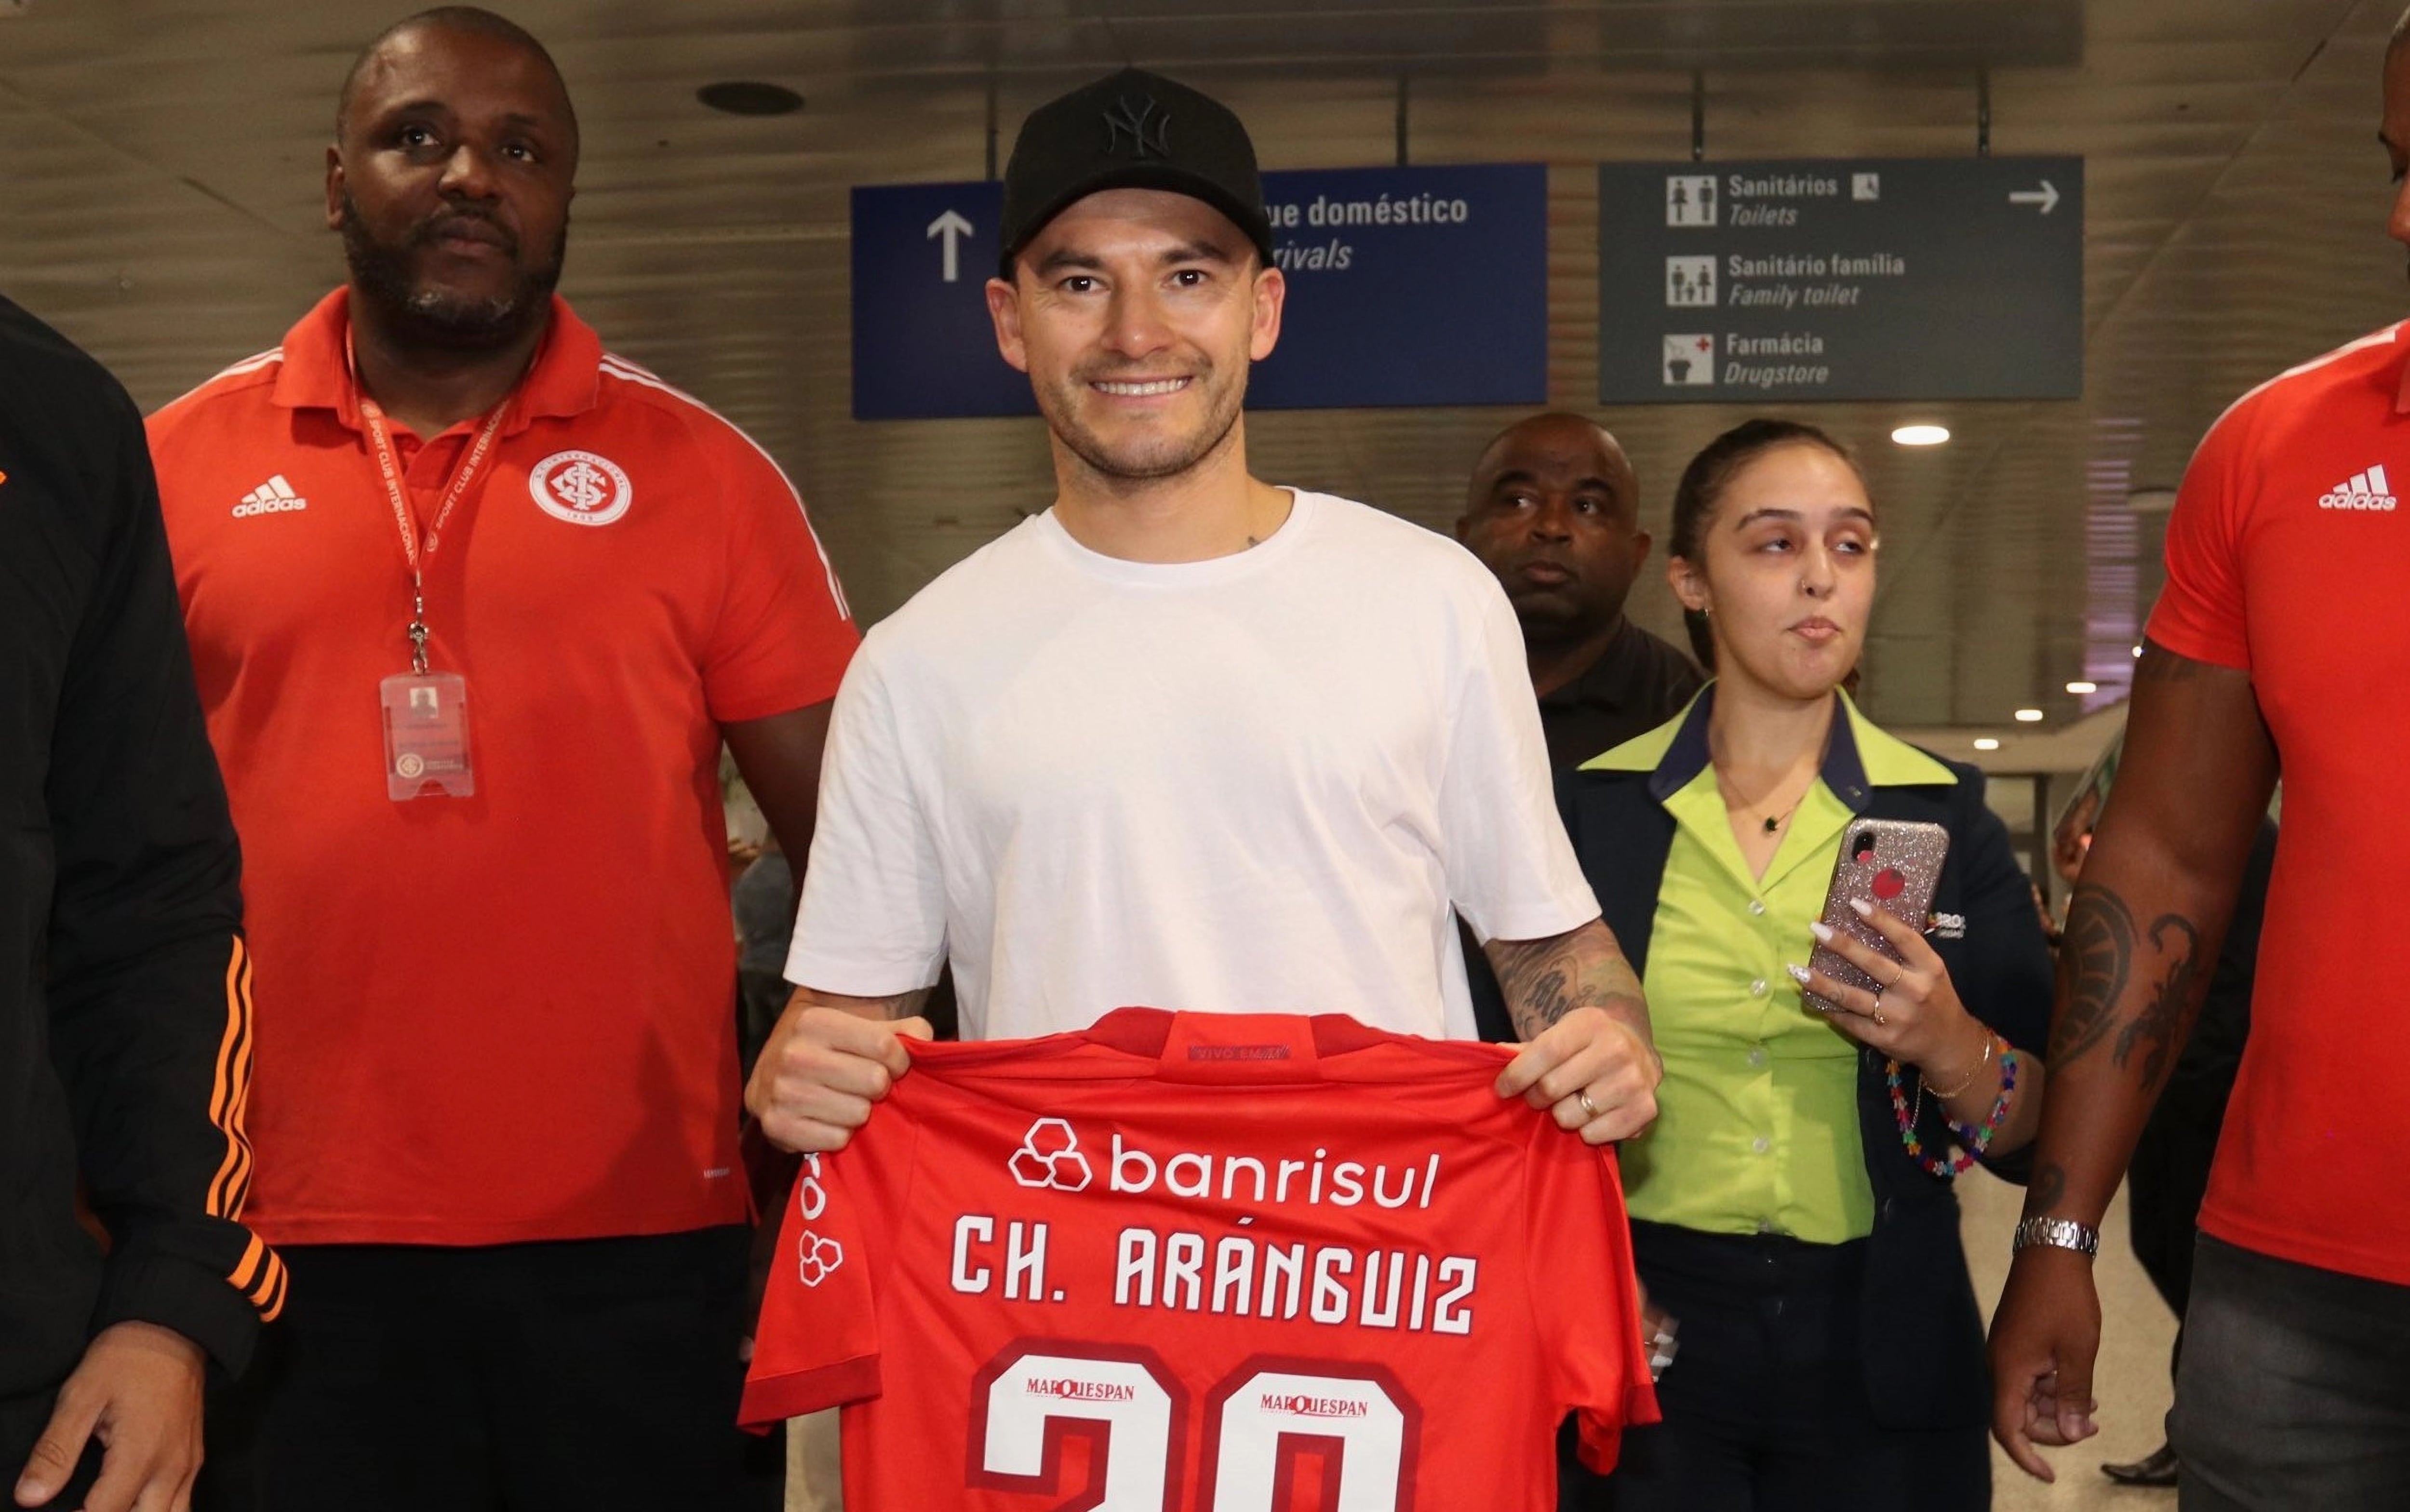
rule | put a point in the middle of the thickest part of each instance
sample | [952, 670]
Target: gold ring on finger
[1587, 1106]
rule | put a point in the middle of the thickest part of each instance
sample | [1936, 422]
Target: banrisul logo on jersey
[1249, 1250]
[1053, 1155]
[1050, 1156]
[816, 1257]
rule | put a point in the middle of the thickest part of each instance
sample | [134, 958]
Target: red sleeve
[817, 1341]
[1589, 1318]
[2200, 612]
[784, 633]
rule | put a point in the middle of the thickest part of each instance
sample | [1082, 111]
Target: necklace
[1773, 822]
[1770, 823]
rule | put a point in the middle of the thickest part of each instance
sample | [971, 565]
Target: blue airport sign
[1406, 286]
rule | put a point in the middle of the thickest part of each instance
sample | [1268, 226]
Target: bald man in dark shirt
[1554, 511]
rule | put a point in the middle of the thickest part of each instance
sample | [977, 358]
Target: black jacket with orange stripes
[125, 990]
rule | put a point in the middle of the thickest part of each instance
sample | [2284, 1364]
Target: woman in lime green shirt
[1792, 1204]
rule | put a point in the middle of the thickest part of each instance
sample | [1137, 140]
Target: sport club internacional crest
[582, 487]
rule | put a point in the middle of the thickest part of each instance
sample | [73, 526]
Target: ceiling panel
[166, 210]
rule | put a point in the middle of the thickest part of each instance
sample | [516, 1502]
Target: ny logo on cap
[1148, 132]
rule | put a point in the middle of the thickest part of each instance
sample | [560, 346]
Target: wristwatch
[2058, 1233]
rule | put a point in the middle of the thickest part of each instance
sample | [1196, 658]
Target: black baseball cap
[1134, 130]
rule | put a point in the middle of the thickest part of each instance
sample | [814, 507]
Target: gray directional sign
[1845, 279]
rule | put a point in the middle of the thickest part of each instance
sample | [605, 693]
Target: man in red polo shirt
[473, 605]
[2280, 641]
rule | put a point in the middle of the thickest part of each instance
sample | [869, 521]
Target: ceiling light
[2029, 716]
[1987, 743]
[1921, 435]
[2080, 687]
[745, 96]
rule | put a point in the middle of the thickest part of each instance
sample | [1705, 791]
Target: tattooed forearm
[2161, 1021]
[2096, 955]
[2043, 1193]
[1545, 979]
[2096, 970]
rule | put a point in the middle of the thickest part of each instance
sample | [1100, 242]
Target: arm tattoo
[2096, 965]
[2095, 955]
[2043, 1193]
[1545, 979]
[2156, 1027]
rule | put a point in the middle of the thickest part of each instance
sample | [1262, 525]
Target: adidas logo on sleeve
[2365, 491]
[274, 497]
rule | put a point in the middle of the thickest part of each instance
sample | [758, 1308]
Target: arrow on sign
[953, 228]
[2046, 196]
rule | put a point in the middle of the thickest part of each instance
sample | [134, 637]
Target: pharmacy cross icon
[1690, 361]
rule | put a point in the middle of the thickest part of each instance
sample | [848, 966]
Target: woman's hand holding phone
[1914, 1016]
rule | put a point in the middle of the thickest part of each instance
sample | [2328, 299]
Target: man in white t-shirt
[1185, 739]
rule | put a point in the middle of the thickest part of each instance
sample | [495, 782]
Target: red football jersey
[1205, 1262]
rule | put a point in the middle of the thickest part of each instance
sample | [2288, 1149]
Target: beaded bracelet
[1973, 1140]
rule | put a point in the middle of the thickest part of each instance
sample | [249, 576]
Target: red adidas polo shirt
[2287, 557]
[508, 1016]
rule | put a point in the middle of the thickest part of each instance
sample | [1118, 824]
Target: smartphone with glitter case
[1891, 863]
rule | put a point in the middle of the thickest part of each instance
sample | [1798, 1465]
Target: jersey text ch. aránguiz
[1229, 1263]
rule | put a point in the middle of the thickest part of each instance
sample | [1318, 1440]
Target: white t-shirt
[1252, 784]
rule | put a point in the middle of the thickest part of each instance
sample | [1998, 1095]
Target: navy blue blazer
[1921, 1332]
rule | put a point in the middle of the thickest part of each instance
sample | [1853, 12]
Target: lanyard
[414, 554]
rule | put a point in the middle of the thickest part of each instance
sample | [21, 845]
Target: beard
[387, 274]
[1564, 612]
[1149, 457]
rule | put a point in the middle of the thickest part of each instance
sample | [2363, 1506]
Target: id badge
[426, 735]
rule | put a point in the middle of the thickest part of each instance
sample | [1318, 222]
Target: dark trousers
[2164, 1186]
[21, 1421]
[2295, 1388]
[1765, 1403]
[590, 1374]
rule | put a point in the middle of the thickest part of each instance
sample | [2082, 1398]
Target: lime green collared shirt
[1757, 1119]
